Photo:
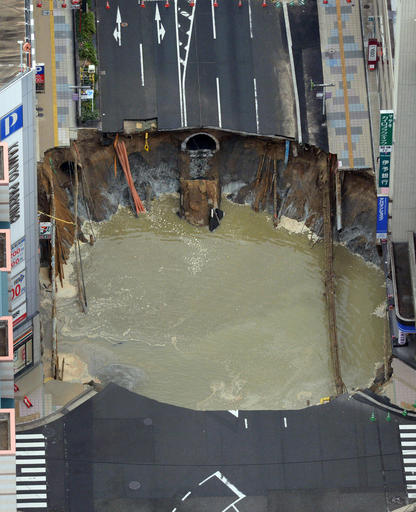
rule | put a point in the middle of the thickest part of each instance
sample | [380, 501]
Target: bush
[87, 26]
[87, 52]
[87, 113]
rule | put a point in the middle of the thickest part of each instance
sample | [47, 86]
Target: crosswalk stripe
[32, 505]
[31, 487]
[407, 435]
[409, 461]
[31, 453]
[411, 495]
[31, 445]
[28, 478]
[31, 497]
[410, 469]
[30, 461]
[408, 443]
[409, 452]
[410, 478]
[411, 486]
[30, 436]
[33, 470]
[407, 427]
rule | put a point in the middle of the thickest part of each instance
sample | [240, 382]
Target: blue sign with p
[11, 122]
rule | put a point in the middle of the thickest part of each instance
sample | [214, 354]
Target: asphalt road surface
[120, 452]
[226, 67]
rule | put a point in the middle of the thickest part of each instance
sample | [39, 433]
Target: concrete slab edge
[70, 406]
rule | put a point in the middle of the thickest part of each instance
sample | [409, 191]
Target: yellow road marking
[344, 84]
[53, 71]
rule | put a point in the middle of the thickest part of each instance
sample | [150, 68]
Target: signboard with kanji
[384, 170]
[386, 129]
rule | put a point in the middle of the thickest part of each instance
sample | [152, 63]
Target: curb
[71, 405]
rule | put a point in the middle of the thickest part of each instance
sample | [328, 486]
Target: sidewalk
[54, 48]
[343, 65]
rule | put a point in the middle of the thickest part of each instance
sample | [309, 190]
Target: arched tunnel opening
[201, 141]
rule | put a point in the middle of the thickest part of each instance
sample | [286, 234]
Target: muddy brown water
[224, 320]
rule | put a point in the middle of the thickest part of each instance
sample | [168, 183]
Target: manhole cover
[134, 485]
[147, 421]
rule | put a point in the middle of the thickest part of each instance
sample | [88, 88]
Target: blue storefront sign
[382, 216]
[11, 122]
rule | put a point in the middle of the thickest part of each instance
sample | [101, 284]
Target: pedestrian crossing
[31, 487]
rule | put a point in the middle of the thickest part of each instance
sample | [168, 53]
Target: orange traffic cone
[191, 3]
[63, 5]
[39, 4]
[215, 3]
[240, 3]
[142, 4]
[264, 4]
[167, 4]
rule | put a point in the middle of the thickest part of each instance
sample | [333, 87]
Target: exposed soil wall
[242, 164]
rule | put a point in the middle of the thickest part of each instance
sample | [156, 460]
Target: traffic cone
[107, 5]
[325, 1]
[373, 417]
[388, 417]
[63, 5]
[39, 4]
[215, 3]
[142, 4]
[264, 4]
[191, 4]
[167, 4]
[240, 3]
[404, 412]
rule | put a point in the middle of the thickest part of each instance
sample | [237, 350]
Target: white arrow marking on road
[160, 28]
[117, 30]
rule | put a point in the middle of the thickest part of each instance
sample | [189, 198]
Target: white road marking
[407, 427]
[292, 65]
[408, 443]
[30, 461]
[219, 113]
[186, 495]
[404, 435]
[30, 436]
[31, 497]
[33, 505]
[234, 412]
[250, 19]
[410, 478]
[231, 486]
[411, 495]
[411, 486]
[409, 461]
[31, 478]
[214, 28]
[410, 470]
[159, 27]
[30, 487]
[141, 64]
[246, 422]
[31, 445]
[31, 453]
[189, 33]
[285, 421]
[33, 470]
[409, 452]
[117, 30]
[179, 60]
[256, 105]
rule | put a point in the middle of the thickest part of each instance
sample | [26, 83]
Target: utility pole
[313, 85]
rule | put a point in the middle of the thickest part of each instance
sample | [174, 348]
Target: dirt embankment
[244, 166]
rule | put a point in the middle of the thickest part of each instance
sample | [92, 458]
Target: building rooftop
[13, 29]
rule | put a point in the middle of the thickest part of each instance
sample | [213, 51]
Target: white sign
[19, 315]
[87, 94]
[45, 230]
[17, 290]
[18, 256]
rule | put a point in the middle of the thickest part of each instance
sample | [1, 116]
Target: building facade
[17, 131]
